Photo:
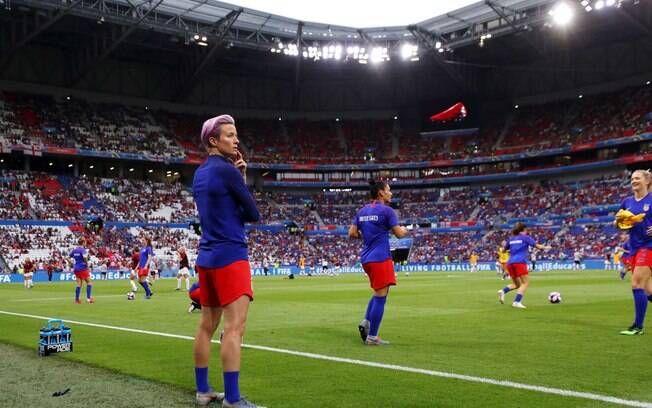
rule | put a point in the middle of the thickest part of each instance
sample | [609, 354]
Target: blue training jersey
[78, 255]
[224, 205]
[374, 221]
[145, 254]
[638, 237]
[518, 246]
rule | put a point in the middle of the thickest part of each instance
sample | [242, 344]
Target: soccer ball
[407, 273]
[554, 297]
[131, 296]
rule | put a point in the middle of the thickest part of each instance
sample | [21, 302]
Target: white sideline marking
[36, 300]
[433, 373]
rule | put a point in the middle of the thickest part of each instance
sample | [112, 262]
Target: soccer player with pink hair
[224, 205]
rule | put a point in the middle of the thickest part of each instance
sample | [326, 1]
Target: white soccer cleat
[205, 398]
[519, 305]
[375, 341]
[501, 297]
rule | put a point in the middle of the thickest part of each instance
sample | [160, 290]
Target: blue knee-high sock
[146, 287]
[77, 291]
[232, 386]
[640, 304]
[376, 315]
[370, 306]
[518, 298]
[201, 379]
[506, 289]
[89, 288]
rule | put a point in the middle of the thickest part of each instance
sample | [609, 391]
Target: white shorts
[28, 275]
[184, 272]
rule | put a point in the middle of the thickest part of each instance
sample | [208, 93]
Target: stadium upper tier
[72, 126]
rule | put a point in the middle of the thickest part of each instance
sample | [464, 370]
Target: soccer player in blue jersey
[146, 254]
[518, 245]
[372, 224]
[224, 205]
[79, 263]
[640, 241]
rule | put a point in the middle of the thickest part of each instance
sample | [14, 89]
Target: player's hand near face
[240, 163]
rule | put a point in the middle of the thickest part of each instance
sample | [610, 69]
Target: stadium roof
[478, 13]
[257, 29]
[360, 13]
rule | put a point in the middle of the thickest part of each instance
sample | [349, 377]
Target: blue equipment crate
[54, 338]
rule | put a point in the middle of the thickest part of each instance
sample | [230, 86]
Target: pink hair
[213, 126]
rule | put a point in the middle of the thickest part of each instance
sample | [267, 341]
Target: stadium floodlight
[131, 169]
[378, 54]
[409, 51]
[337, 119]
[610, 3]
[562, 14]
[647, 83]
[50, 164]
[516, 106]
[599, 4]
[150, 171]
[111, 168]
[70, 165]
[588, 8]
[580, 96]
[438, 44]
[91, 166]
[584, 3]
[406, 51]
[395, 117]
[196, 37]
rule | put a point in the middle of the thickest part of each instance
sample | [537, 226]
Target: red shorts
[222, 286]
[381, 274]
[143, 272]
[643, 257]
[516, 270]
[82, 274]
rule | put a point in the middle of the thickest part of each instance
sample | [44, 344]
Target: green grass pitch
[450, 322]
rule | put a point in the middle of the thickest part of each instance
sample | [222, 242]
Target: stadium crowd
[72, 123]
[553, 206]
